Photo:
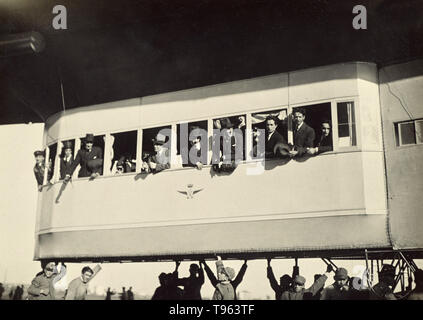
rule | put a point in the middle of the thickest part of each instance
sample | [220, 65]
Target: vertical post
[45, 178]
[210, 140]
[107, 161]
[334, 116]
[248, 137]
[139, 150]
[77, 148]
[174, 145]
[56, 173]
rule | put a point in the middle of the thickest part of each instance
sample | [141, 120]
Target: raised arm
[320, 282]
[210, 274]
[60, 275]
[271, 277]
[74, 164]
[240, 275]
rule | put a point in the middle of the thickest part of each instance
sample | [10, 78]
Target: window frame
[397, 133]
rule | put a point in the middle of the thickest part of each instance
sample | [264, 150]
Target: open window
[124, 152]
[51, 159]
[409, 132]
[150, 135]
[258, 121]
[66, 157]
[99, 142]
[192, 146]
[347, 135]
[229, 137]
[318, 116]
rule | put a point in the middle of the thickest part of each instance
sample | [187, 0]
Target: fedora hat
[160, 139]
[89, 137]
[226, 123]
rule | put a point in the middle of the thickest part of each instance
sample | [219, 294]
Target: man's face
[49, 269]
[39, 159]
[298, 287]
[86, 276]
[195, 141]
[341, 282]
[270, 125]
[157, 147]
[325, 129]
[89, 145]
[222, 276]
[298, 118]
[68, 152]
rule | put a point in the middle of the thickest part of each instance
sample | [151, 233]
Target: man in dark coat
[40, 167]
[235, 282]
[195, 155]
[274, 139]
[192, 285]
[324, 142]
[284, 282]
[89, 158]
[303, 134]
[66, 159]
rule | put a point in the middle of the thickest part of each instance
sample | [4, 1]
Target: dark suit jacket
[304, 138]
[82, 158]
[270, 144]
[325, 144]
[64, 166]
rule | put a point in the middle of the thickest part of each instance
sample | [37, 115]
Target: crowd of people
[228, 145]
[226, 282]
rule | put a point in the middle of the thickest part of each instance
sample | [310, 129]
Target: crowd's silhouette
[225, 282]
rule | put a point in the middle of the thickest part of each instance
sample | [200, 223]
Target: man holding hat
[90, 158]
[42, 286]
[40, 167]
[382, 290]
[66, 159]
[298, 291]
[339, 290]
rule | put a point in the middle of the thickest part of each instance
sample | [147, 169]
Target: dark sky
[115, 50]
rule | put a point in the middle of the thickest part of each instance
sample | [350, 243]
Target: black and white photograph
[239, 150]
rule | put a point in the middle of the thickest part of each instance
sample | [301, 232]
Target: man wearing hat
[90, 158]
[39, 168]
[298, 291]
[66, 159]
[196, 154]
[161, 159]
[284, 282]
[225, 275]
[224, 146]
[383, 289]
[339, 290]
[42, 286]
